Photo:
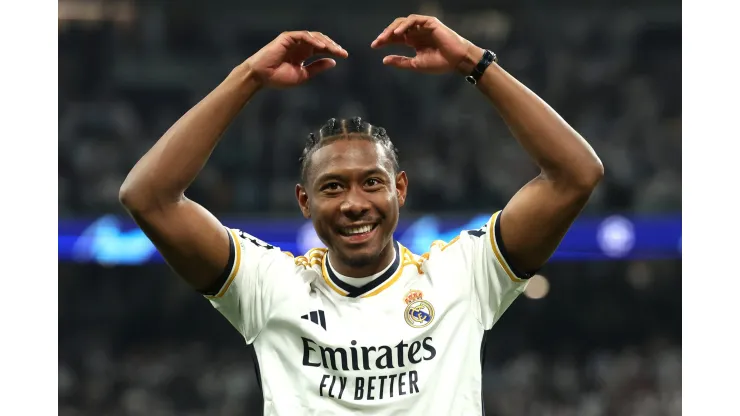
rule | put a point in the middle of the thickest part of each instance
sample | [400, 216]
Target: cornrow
[334, 129]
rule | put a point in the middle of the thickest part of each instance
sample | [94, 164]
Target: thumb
[403, 62]
[319, 65]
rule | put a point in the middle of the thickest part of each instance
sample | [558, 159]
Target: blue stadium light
[113, 240]
[616, 236]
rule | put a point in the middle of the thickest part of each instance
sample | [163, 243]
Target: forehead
[348, 156]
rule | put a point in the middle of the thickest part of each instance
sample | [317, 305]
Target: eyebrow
[337, 176]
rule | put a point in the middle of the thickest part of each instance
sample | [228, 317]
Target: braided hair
[336, 129]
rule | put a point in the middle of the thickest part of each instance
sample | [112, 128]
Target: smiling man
[352, 189]
[363, 326]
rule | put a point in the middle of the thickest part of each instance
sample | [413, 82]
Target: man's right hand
[280, 64]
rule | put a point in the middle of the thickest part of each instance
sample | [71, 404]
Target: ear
[402, 183]
[302, 197]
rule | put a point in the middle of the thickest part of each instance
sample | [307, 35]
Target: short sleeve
[495, 284]
[248, 294]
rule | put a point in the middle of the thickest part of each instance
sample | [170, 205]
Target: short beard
[361, 261]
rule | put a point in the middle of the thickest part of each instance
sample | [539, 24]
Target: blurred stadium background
[598, 332]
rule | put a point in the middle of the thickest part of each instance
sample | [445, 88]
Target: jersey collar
[353, 292]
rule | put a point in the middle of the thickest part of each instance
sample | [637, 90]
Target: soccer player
[363, 326]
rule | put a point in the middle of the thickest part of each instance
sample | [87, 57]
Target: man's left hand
[438, 48]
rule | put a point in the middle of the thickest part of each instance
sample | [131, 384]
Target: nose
[355, 204]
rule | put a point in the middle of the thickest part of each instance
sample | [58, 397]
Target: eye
[331, 186]
[373, 182]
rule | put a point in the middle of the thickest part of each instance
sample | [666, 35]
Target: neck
[341, 266]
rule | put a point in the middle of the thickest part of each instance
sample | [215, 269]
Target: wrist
[246, 77]
[472, 56]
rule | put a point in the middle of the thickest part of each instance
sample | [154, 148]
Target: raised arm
[537, 217]
[535, 220]
[191, 239]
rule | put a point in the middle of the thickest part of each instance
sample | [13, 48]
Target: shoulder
[256, 252]
[463, 246]
[248, 241]
[409, 258]
[312, 259]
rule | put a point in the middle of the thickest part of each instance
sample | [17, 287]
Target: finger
[307, 37]
[386, 33]
[390, 40]
[412, 21]
[319, 65]
[389, 29]
[397, 61]
[319, 42]
[333, 47]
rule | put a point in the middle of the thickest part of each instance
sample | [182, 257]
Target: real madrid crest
[419, 312]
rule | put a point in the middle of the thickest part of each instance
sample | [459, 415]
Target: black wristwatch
[487, 59]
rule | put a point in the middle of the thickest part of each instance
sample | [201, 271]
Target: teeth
[359, 230]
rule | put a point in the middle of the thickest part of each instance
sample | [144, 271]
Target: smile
[358, 230]
[358, 234]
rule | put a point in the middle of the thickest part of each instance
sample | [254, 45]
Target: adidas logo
[316, 317]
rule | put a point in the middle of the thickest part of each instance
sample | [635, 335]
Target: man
[364, 326]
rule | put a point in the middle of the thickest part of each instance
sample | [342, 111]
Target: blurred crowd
[615, 77]
[631, 382]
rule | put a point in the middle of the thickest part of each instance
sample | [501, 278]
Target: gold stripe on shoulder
[497, 252]
[312, 258]
[453, 241]
[441, 245]
[235, 267]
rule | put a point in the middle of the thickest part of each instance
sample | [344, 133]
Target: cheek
[323, 213]
[389, 203]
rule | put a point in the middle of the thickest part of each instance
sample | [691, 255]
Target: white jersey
[408, 342]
